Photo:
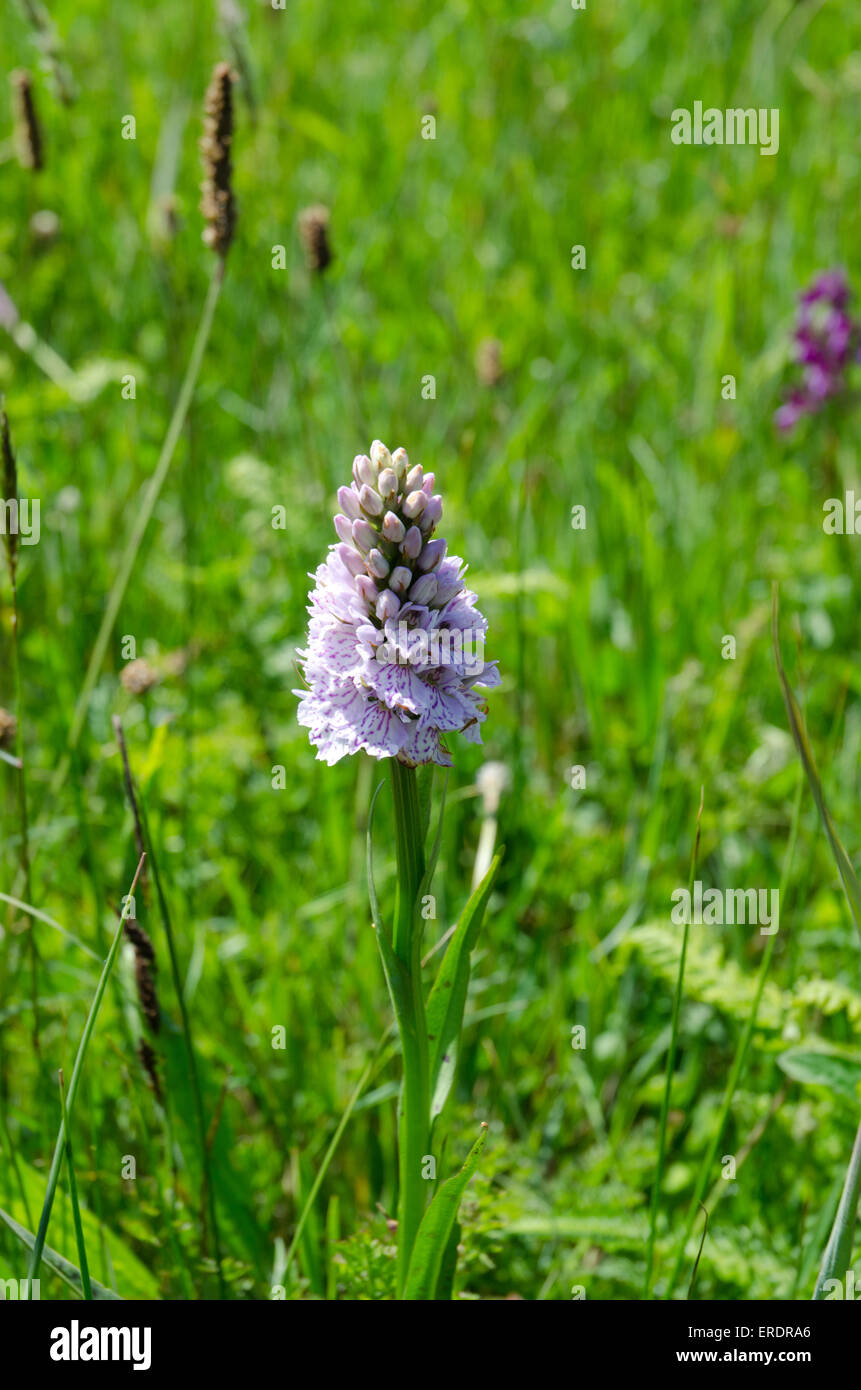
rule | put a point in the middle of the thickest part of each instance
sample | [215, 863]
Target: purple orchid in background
[395, 656]
[827, 339]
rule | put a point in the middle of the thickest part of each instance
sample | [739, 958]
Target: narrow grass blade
[436, 1227]
[838, 1251]
[142, 520]
[330, 1152]
[848, 877]
[57, 1264]
[59, 1147]
[738, 1063]
[49, 921]
[73, 1196]
[447, 998]
[654, 1205]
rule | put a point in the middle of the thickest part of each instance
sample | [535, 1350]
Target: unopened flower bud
[412, 543]
[380, 455]
[428, 482]
[414, 479]
[424, 589]
[344, 528]
[446, 592]
[378, 564]
[414, 504]
[393, 528]
[366, 588]
[400, 463]
[366, 632]
[400, 579]
[370, 501]
[364, 534]
[387, 483]
[348, 502]
[364, 471]
[432, 555]
[431, 514]
[351, 559]
[388, 605]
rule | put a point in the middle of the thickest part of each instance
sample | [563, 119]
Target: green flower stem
[414, 1115]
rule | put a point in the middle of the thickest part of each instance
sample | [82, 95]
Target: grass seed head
[8, 728]
[217, 203]
[27, 132]
[10, 486]
[314, 231]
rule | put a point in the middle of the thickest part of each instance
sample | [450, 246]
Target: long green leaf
[398, 981]
[447, 999]
[58, 1264]
[73, 1197]
[838, 1251]
[369, 856]
[435, 1230]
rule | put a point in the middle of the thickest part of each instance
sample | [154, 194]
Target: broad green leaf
[447, 998]
[815, 1068]
[848, 877]
[436, 1227]
[57, 1263]
[398, 981]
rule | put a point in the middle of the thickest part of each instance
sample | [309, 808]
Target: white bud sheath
[378, 564]
[400, 579]
[370, 501]
[366, 588]
[393, 528]
[352, 559]
[388, 605]
[412, 543]
[369, 634]
[364, 534]
[349, 503]
[414, 504]
[380, 455]
[432, 556]
[364, 471]
[424, 589]
[387, 485]
[400, 463]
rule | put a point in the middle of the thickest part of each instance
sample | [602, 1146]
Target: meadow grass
[552, 130]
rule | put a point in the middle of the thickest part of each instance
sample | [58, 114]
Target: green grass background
[552, 129]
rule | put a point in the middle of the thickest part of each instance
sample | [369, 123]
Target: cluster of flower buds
[385, 527]
[395, 657]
